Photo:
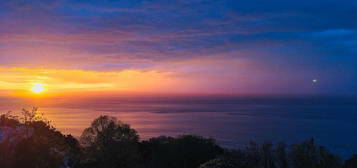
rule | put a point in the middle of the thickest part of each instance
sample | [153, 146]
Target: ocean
[232, 120]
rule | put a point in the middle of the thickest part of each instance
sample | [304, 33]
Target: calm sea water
[233, 121]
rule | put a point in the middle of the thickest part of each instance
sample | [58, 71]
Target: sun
[37, 88]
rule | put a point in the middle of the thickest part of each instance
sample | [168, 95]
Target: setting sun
[37, 88]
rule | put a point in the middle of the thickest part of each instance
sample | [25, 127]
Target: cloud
[336, 32]
[278, 37]
[79, 80]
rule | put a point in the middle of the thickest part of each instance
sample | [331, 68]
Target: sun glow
[45, 82]
[37, 88]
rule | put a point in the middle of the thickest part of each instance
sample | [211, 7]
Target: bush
[219, 163]
[186, 151]
[310, 155]
[33, 143]
[352, 162]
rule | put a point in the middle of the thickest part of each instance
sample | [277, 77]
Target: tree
[310, 155]
[253, 156]
[268, 155]
[281, 156]
[351, 162]
[219, 163]
[186, 151]
[110, 143]
[32, 142]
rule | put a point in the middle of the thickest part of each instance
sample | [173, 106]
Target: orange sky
[20, 80]
[184, 47]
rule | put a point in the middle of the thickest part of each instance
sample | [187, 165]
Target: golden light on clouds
[49, 81]
[169, 77]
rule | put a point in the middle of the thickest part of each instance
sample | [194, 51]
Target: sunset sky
[179, 46]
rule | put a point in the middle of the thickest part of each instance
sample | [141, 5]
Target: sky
[179, 46]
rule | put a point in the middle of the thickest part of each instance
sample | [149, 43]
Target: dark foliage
[187, 151]
[310, 155]
[304, 155]
[220, 163]
[352, 162]
[30, 141]
[111, 144]
[33, 143]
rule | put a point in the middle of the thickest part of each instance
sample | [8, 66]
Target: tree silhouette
[281, 156]
[186, 151]
[33, 143]
[309, 155]
[219, 163]
[351, 162]
[110, 143]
